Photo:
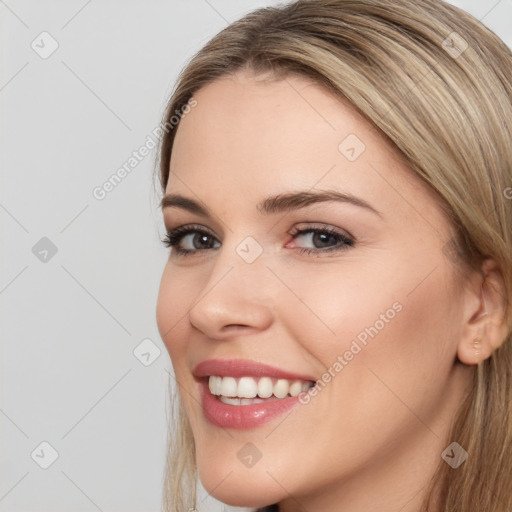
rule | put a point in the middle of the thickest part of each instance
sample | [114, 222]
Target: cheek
[337, 304]
[175, 297]
[379, 320]
[174, 300]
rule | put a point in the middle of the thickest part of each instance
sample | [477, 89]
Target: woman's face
[369, 309]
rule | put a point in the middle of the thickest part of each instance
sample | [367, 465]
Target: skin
[373, 436]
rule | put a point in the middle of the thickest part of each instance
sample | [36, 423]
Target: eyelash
[173, 237]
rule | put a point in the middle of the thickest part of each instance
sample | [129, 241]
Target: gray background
[72, 320]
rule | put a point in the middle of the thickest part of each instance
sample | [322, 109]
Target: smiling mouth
[250, 390]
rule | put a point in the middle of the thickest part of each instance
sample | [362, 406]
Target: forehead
[260, 136]
[288, 114]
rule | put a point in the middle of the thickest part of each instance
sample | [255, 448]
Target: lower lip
[242, 416]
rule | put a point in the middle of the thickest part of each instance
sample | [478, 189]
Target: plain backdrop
[84, 374]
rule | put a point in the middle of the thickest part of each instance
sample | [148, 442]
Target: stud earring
[476, 344]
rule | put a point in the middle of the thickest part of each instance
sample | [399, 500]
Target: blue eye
[187, 240]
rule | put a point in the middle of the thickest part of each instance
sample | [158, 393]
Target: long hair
[436, 83]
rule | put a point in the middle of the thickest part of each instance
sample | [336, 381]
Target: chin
[242, 488]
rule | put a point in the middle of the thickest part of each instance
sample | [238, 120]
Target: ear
[485, 315]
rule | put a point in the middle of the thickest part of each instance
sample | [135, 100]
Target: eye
[323, 239]
[190, 239]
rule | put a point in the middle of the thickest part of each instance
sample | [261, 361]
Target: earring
[476, 344]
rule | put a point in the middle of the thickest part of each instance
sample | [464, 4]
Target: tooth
[214, 383]
[247, 387]
[281, 388]
[228, 386]
[218, 385]
[249, 401]
[230, 401]
[296, 388]
[265, 387]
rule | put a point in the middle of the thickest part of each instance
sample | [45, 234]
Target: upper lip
[244, 368]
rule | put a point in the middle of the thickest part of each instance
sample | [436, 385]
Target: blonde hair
[444, 100]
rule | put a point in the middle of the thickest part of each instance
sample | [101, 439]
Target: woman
[336, 299]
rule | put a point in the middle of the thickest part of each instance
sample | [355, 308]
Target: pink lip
[244, 368]
[242, 416]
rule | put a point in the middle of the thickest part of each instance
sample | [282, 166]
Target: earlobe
[474, 351]
[486, 327]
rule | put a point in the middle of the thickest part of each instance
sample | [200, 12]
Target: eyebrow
[274, 204]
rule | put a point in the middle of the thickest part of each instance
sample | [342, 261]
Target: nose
[236, 298]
